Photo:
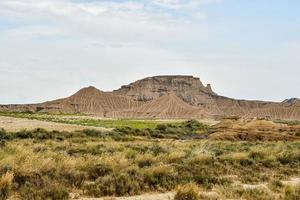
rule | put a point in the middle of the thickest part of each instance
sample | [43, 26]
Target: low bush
[4, 135]
[289, 157]
[99, 170]
[120, 184]
[257, 155]
[145, 161]
[5, 185]
[50, 190]
[162, 176]
[188, 191]
[276, 185]
[93, 133]
[292, 192]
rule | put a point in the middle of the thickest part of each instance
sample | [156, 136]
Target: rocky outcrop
[188, 88]
[291, 102]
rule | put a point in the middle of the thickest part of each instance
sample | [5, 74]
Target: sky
[246, 49]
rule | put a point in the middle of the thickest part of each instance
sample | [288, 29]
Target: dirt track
[16, 124]
[164, 196]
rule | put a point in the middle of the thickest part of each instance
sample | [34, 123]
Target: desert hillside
[180, 97]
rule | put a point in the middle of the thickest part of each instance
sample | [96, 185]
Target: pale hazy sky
[247, 49]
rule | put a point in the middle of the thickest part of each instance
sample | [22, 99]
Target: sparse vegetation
[41, 164]
[291, 122]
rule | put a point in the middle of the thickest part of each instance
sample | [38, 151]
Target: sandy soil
[163, 196]
[16, 124]
[293, 181]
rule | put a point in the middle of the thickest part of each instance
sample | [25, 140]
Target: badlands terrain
[163, 97]
[159, 138]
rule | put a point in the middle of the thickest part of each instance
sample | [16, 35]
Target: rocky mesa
[164, 97]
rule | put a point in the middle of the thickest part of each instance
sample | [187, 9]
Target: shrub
[257, 155]
[99, 170]
[5, 185]
[93, 133]
[104, 186]
[118, 184]
[194, 125]
[145, 161]
[49, 190]
[206, 180]
[276, 185]
[292, 192]
[75, 178]
[289, 158]
[131, 153]
[4, 135]
[157, 149]
[23, 134]
[126, 185]
[188, 191]
[55, 192]
[161, 127]
[162, 176]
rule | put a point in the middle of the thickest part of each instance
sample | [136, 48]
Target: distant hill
[163, 97]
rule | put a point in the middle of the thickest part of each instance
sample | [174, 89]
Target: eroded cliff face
[191, 90]
[188, 88]
[292, 102]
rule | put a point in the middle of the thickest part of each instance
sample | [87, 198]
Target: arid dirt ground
[162, 196]
[16, 124]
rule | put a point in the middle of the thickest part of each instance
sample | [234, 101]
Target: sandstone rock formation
[188, 88]
[164, 97]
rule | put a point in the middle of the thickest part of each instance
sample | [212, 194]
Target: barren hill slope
[88, 100]
[260, 109]
[168, 106]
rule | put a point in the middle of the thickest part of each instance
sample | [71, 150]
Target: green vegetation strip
[85, 121]
[186, 130]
